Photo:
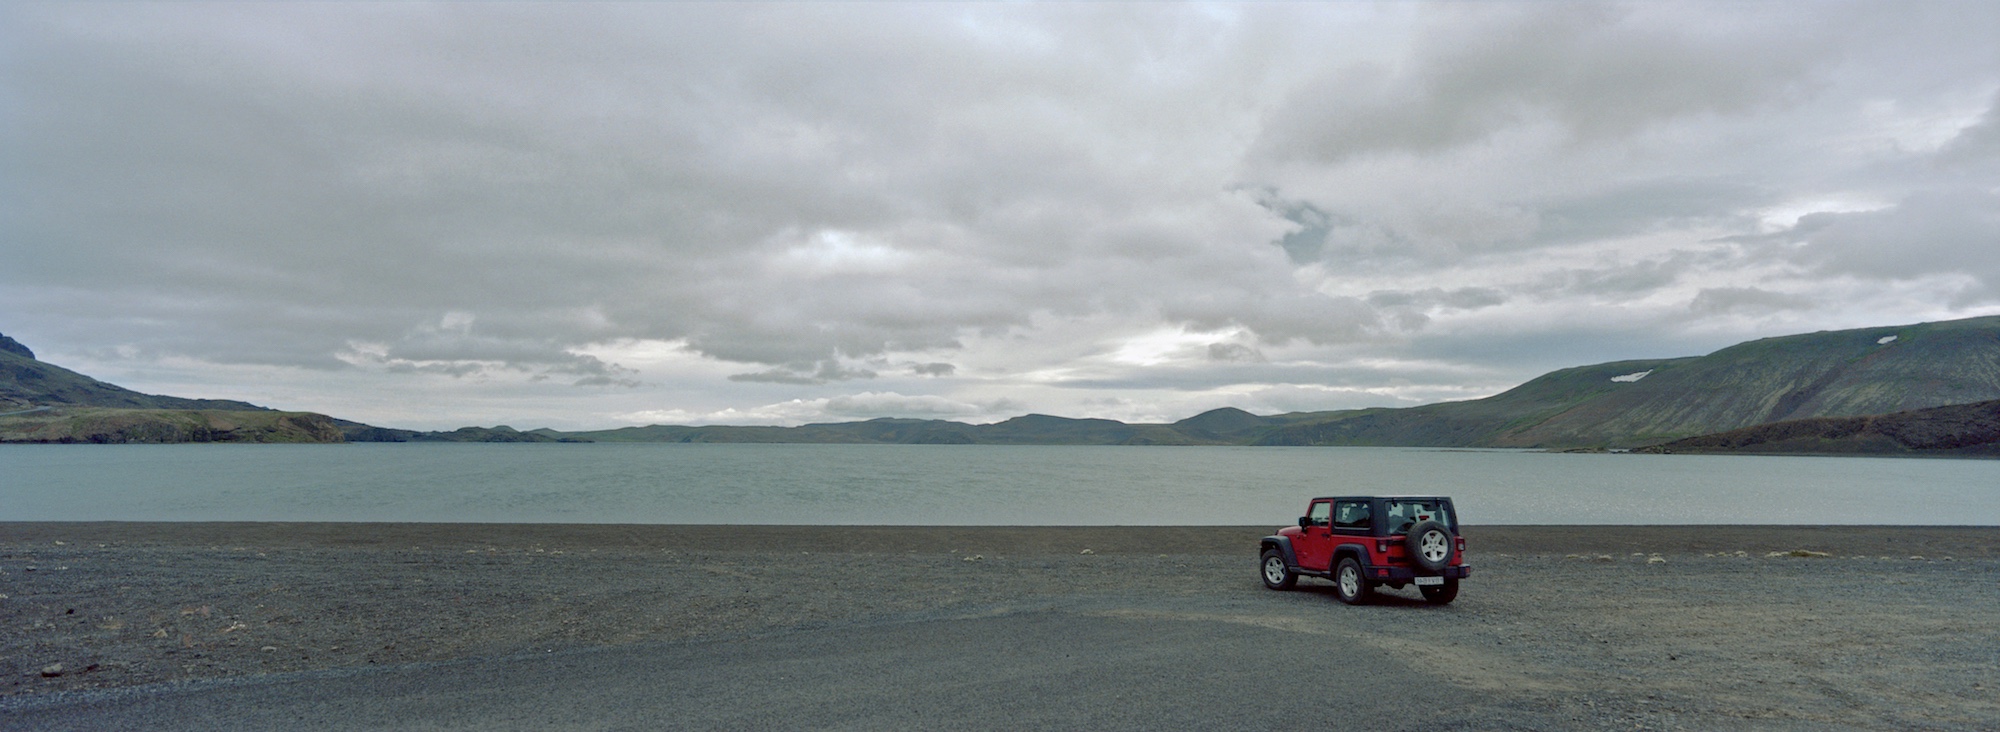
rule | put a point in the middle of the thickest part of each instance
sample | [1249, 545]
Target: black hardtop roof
[1388, 496]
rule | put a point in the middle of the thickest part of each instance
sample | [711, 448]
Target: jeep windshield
[1406, 512]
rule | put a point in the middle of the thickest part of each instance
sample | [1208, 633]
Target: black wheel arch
[1284, 547]
[1359, 552]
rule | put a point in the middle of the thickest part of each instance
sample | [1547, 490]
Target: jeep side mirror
[1304, 522]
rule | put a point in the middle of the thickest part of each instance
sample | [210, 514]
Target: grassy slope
[1477, 422]
[83, 409]
[26, 382]
[1828, 374]
[106, 425]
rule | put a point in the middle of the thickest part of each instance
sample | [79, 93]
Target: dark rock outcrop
[9, 345]
[1960, 430]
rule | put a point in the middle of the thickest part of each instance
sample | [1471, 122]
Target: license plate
[1425, 581]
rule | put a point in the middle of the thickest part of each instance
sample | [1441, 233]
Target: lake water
[962, 485]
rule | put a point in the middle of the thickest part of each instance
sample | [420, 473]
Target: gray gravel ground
[1565, 627]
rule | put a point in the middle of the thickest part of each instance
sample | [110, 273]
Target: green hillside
[1479, 422]
[1828, 374]
[103, 425]
[26, 382]
[42, 402]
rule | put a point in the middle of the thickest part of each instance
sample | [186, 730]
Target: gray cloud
[1308, 242]
[454, 348]
[1648, 206]
[1351, 376]
[825, 372]
[1750, 299]
[1957, 230]
[1234, 352]
[870, 405]
[1598, 70]
[1979, 142]
[1464, 298]
[1618, 281]
[722, 208]
[719, 193]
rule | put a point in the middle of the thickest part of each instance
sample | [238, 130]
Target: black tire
[1349, 584]
[1441, 594]
[1274, 572]
[1431, 545]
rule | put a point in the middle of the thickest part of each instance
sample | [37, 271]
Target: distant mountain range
[1762, 396]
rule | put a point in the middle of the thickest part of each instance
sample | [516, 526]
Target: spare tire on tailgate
[1431, 545]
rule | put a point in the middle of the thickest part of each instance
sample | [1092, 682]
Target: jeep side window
[1404, 514]
[1351, 515]
[1318, 514]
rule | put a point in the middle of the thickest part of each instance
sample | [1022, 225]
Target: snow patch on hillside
[1629, 378]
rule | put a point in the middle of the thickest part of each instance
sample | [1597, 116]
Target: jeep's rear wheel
[1431, 546]
[1277, 576]
[1441, 594]
[1348, 583]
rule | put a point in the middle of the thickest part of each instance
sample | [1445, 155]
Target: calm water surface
[961, 485]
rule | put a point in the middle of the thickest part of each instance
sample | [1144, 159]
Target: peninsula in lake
[1922, 389]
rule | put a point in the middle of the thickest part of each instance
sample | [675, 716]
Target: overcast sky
[589, 216]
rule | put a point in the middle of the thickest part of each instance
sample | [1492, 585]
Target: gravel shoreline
[1652, 626]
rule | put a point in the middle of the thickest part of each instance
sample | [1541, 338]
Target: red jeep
[1361, 542]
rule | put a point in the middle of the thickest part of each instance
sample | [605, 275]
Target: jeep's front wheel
[1277, 576]
[1441, 594]
[1348, 583]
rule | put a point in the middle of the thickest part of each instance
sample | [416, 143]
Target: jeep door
[1314, 547]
